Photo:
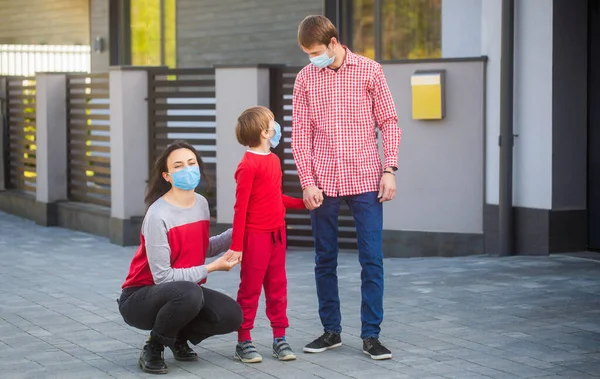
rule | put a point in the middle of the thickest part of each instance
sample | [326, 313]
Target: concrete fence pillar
[128, 152]
[51, 145]
[3, 134]
[237, 88]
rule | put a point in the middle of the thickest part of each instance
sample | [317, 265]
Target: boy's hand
[233, 256]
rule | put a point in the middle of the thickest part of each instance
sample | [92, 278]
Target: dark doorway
[593, 125]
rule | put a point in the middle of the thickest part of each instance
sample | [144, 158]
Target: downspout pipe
[505, 225]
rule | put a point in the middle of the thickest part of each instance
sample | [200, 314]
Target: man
[338, 100]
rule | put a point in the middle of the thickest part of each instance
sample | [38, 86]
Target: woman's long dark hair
[157, 185]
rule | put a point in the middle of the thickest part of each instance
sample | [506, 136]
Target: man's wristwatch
[393, 172]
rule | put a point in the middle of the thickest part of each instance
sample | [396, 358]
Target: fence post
[237, 88]
[51, 145]
[3, 135]
[128, 152]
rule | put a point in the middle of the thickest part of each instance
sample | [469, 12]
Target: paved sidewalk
[473, 317]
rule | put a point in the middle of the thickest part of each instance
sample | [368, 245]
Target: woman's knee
[189, 295]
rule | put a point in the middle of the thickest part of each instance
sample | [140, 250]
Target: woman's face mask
[187, 178]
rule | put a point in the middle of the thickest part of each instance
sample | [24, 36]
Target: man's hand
[313, 197]
[387, 187]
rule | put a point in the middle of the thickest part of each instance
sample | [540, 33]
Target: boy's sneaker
[283, 351]
[374, 348]
[247, 353]
[328, 340]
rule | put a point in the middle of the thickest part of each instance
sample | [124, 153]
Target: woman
[163, 291]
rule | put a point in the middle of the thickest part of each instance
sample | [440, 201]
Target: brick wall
[56, 22]
[240, 32]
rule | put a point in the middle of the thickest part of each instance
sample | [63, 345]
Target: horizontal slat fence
[299, 230]
[21, 119]
[88, 138]
[182, 106]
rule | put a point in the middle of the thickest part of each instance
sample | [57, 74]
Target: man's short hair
[316, 30]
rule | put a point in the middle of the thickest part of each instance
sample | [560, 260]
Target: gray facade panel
[99, 28]
[441, 162]
[35, 22]
[241, 32]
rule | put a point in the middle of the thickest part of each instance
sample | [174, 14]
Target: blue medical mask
[187, 178]
[322, 60]
[277, 137]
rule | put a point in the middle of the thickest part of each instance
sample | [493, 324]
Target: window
[389, 29]
[152, 31]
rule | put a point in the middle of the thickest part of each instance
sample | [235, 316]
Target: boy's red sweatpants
[263, 264]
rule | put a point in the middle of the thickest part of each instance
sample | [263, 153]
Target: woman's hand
[223, 263]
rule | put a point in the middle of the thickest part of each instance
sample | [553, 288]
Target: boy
[259, 232]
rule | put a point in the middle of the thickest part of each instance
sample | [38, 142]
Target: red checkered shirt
[335, 113]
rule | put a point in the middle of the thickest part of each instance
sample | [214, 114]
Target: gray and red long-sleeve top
[175, 242]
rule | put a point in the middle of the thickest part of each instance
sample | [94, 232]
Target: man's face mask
[322, 60]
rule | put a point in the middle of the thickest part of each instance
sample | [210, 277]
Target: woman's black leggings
[180, 309]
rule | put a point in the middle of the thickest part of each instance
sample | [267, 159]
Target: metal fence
[28, 59]
[182, 105]
[88, 137]
[299, 230]
[20, 119]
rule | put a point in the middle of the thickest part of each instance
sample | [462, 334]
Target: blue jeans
[367, 212]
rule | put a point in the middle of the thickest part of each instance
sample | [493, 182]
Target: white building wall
[532, 176]
[461, 28]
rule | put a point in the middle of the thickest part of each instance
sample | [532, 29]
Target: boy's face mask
[277, 136]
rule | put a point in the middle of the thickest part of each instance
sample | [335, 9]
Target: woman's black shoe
[182, 352]
[152, 359]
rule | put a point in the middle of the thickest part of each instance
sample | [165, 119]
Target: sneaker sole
[150, 371]
[253, 360]
[290, 357]
[378, 357]
[311, 350]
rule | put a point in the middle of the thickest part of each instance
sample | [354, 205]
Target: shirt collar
[349, 60]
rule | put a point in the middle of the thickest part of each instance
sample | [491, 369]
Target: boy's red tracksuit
[259, 233]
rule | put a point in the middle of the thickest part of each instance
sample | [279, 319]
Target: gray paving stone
[469, 317]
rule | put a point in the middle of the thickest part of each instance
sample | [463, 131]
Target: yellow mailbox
[428, 101]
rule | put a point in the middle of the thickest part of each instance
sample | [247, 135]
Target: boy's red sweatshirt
[259, 202]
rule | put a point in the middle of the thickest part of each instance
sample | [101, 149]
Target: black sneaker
[328, 340]
[183, 352]
[152, 359]
[374, 348]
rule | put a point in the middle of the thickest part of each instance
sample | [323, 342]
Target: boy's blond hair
[251, 123]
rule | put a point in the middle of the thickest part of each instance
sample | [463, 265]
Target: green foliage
[146, 39]
[410, 29]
